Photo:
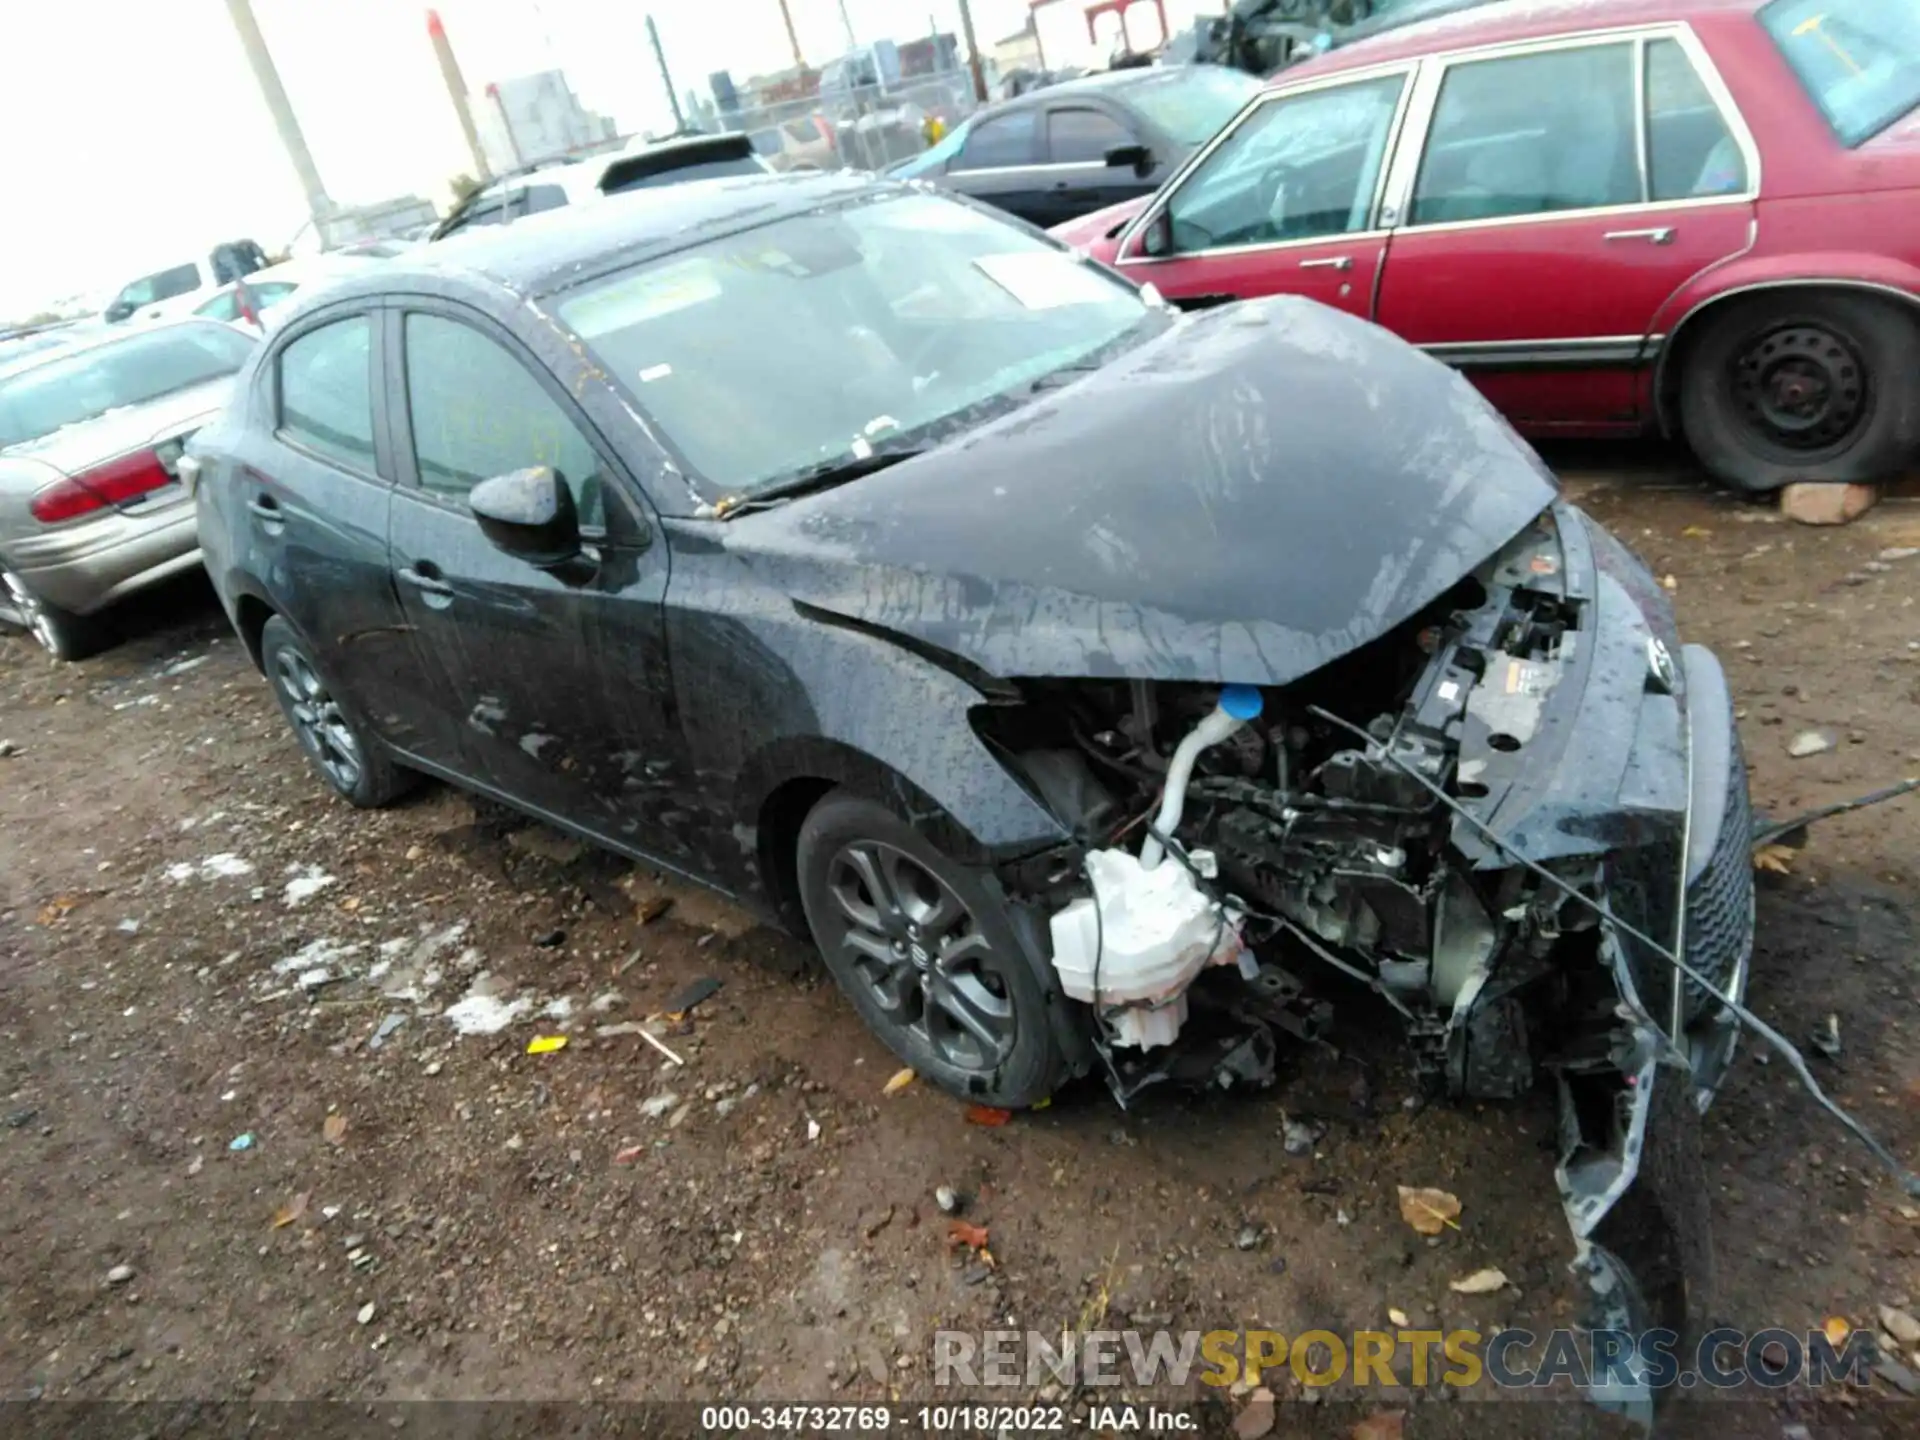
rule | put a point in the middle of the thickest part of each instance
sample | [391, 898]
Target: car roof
[1502, 21]
[548, 251]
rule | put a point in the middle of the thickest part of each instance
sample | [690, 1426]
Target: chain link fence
[868, 128]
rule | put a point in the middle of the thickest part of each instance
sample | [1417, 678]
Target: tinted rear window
[72, 389]
[1859, 59]
[162, 285]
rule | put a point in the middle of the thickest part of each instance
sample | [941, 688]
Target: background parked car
[246, 302]
[170, 291]
[639, 167]
[1749, 277]
[1057, 153]
[805, 140]
[91, 434]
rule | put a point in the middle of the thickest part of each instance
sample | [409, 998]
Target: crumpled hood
[1244, 498]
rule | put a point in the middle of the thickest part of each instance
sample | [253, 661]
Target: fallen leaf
[959, 1232]
[55, 910]
[1398, 1316]
[900, 1080]
[986, 1258]
[1387, 1425]
[1775, 859]
[291, 1211]
[652, 910]
[1696, 532]
[1481, 1282]
[629, 1155]
[1428, 1211]
[880, 1224]
[987, 1115]
[1667, 582]
[334, 1128]
[1836, 1330]
[546, 1044]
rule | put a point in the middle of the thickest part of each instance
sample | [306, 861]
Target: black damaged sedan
[1087, 680]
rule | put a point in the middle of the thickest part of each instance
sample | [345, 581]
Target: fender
[1754, 274]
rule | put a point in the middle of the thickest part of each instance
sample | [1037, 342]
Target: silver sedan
[91, 508]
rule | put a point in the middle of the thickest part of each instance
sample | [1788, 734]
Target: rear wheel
[337, 743]
[61, 633]
[923, 947]
[1782, 388]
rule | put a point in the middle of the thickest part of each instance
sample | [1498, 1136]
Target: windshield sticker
[1046, 279]
[655, 372]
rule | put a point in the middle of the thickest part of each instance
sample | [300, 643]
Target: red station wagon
[1694, 216]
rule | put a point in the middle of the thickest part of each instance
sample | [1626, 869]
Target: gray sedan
[91, 508]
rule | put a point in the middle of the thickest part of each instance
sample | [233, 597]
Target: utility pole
[267, 76]
[973, 53]
[793, 37]
[456, 84]
[847, 25]
[666, 77]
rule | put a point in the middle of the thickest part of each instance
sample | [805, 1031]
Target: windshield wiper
[823, 476]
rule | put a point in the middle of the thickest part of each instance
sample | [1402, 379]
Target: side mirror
[529, 514]
[1157, 239]
[1137, 158]
[118, 311]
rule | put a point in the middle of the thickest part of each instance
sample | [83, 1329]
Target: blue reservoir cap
[1242, 702]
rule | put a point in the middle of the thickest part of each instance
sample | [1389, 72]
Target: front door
[559, 687]
[1539, 238]
[1285, 203]
[1078, 138]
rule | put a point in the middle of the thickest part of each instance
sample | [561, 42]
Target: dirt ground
[197, 945]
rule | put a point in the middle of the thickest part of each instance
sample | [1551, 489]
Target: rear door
[315, 492]
[559, 688]
[1563, 191]
[1002, 164]
[1078, 137]
[1286, 201]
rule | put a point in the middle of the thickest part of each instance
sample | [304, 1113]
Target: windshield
[1859, 59]
[1191, 103]
[823, 336]
[68, 390]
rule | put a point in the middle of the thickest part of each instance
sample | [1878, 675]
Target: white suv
[178, 288]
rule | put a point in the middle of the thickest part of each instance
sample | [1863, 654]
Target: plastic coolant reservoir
[1150, 932]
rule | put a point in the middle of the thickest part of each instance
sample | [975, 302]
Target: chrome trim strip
[1642, 131]
[1583, 352]
[1356, 237]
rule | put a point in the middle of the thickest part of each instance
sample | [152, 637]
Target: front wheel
[337, 743]
[1782, 389]
[924, 948]
[61, 633]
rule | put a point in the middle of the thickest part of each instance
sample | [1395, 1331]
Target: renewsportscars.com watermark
[1723, 1359]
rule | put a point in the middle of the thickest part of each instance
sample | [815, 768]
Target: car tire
[336, 741]
[1800, 386]
[61, 633]
[924, 948]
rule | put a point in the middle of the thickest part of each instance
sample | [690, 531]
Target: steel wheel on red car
[335, 741]
[63, 635]
[1803, 385]
[923, 947]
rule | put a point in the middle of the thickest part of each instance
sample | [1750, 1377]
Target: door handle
[1335, 262]
[1659, 235]
[424, 576]
[266, 510]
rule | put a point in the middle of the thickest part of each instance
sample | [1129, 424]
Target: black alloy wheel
[338, 745]
[924, 949]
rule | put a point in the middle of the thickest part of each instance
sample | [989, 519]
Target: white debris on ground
[222, 866]
[480, 1012]
[307, 882]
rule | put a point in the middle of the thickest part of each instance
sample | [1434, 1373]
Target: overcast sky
[132, 133]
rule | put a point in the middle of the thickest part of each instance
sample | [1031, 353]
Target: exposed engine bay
[1234, 822]
[1482, 816]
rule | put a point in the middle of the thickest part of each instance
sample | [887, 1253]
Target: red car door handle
[1659, 235]
[1333, 262]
